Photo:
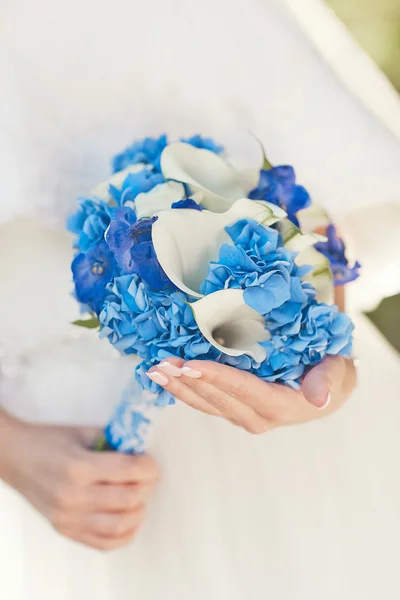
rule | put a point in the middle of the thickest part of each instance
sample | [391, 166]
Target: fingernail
[356, 361]
[170, 369]
[190, 373]
[327, 401]
[157, 377]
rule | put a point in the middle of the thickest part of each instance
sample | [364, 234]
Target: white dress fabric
[306, 512]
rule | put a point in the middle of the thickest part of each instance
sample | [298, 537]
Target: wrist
[11, 430]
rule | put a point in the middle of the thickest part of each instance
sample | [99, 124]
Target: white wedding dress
[303, 513]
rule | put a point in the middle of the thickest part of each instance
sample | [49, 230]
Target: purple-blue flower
[131, 243]
[92, 271]
[147, 151]
[334, 249]
[134, 184]
[278, 185]
[205, 143]
[187, 203]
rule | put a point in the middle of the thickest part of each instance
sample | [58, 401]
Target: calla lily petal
[294, 239]
[321, 276]
[313, 218]
[245, 154]
[161, 197]
[230, 325]
[217, 182]
[102, 190]
[186, 241]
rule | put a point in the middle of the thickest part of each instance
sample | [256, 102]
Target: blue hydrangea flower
[137, 320]
[89, 222]
[164, 398]
[289, 374]
[133, 316]
[131, 243]
[147, 151]
[278, 185]
[205, 143]
[134, 184]
[128, 429]
[187, 203]
[322, 330]
[326, 331]
[92, 271]
[334, 249]
[259, 264]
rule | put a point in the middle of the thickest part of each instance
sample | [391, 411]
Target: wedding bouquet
[180, 253]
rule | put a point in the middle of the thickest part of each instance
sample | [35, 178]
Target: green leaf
[92, 323]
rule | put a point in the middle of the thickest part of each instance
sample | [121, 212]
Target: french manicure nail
[327, 401]
[190, 373]
[157, 377]
[170, 369]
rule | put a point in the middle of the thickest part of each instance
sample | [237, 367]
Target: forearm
[9, 430]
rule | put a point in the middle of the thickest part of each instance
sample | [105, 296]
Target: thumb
[330, 382]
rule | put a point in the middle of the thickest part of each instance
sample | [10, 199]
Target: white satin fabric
[306, 512]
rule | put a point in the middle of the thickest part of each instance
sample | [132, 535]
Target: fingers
[264, 398]
[236, 394]
[99, 543]
[246, 400]
[191, 387]
[105, 531]
[329, 383]
[113, 467]
[118, 498]
[177, 387]
[114, 525]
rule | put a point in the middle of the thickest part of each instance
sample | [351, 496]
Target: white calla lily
[216, 183]
[313, 218]
[186, 241]
[245, 153]
[161, 197]
[102, 190]
[230, 325]
[294, 239]
[321, 276]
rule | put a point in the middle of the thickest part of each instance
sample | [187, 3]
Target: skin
[251, 403]
[97, 499]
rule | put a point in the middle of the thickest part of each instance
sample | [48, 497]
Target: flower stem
[101, 444]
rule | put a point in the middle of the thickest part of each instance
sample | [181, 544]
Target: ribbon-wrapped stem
[129, 429]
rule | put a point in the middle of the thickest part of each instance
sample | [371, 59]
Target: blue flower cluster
[128, 247]
[117, 275]
[148, 151]
[303, 331]
[152, 325]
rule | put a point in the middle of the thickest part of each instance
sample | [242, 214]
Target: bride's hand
[251, 403]
[97, 499]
